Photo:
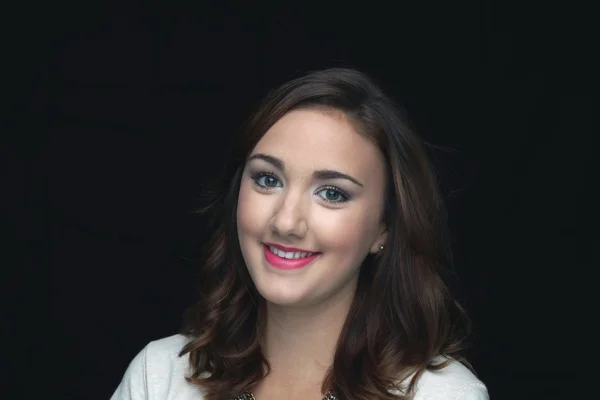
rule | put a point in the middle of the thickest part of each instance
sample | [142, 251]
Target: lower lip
[284, 263]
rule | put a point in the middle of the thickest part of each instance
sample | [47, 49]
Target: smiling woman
[301, 187]
[324, 275]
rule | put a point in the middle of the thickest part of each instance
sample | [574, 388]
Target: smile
[288, 258]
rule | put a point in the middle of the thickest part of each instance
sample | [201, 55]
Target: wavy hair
[403, 314]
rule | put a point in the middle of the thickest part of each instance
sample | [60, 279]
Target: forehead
[317, 139]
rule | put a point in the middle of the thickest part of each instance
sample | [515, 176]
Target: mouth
[288, 258]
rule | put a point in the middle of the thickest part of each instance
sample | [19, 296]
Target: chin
[281, 297]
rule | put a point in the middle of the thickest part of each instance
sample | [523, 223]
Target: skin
[306, 307]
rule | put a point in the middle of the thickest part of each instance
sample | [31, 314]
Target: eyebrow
[323, 174]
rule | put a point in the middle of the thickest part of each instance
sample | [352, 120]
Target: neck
[300, 343]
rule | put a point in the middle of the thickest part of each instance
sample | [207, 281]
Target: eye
[266, 180]
[331, 194]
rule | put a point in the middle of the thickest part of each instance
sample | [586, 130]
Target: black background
[130, 107]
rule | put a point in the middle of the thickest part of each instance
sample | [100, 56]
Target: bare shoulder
[453, 382]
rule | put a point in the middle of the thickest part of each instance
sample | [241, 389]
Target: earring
[381, 247]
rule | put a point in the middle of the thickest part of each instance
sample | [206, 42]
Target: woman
[324, 275]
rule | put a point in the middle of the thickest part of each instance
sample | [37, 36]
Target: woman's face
[310, 208]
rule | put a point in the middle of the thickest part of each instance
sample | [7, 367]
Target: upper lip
[289, 249]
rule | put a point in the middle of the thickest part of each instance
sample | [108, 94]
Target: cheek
[244, 214]
[250, 215]
[350, 232]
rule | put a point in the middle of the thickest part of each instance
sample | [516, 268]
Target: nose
[289, 218]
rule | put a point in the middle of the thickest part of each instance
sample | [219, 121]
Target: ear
[380, 240]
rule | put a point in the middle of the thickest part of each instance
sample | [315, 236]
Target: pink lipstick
[275, 256]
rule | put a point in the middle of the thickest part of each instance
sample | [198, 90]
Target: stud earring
[381, 247]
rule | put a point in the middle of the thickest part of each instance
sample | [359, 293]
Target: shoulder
[158, 372]
[163, 354]
[453, 382]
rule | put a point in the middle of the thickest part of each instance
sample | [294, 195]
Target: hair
[403, 314]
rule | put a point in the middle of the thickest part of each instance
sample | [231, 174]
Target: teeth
[290, 255]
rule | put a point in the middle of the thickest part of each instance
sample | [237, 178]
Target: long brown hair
[403, 314]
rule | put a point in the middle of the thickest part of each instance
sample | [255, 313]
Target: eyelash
[345, 196]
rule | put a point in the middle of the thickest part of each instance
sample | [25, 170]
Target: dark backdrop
[133, 107]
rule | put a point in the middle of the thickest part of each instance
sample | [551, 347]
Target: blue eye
[266, 180]
[332, 194]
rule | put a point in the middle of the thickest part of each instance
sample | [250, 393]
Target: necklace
[249, 396]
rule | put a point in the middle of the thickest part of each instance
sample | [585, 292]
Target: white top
[158, 373]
